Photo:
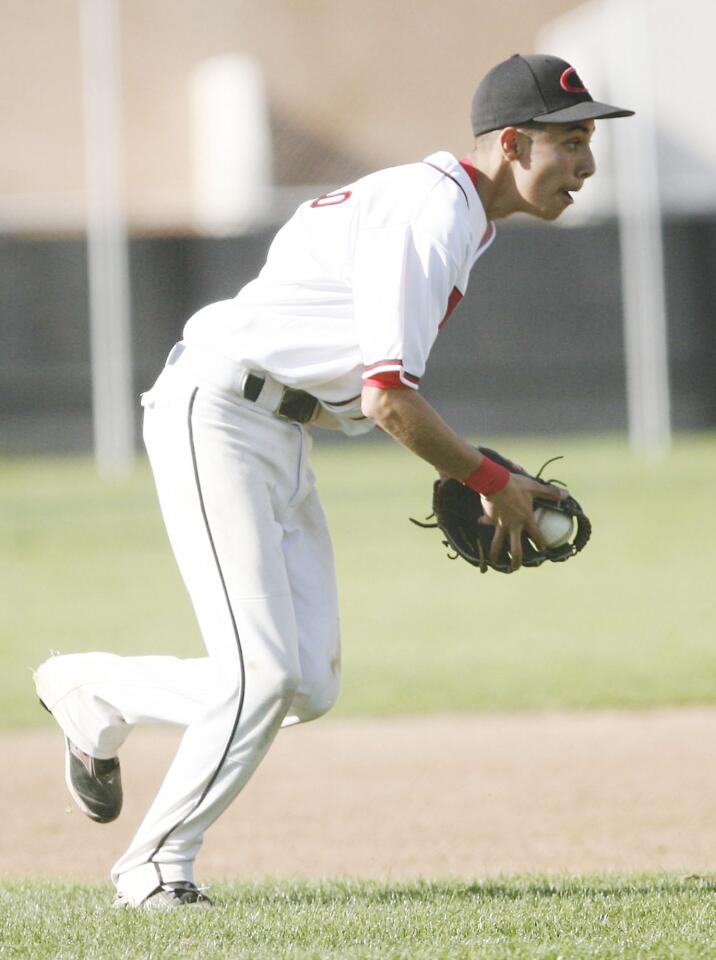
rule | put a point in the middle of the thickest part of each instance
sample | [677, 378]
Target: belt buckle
[297, 405]
[252, 386]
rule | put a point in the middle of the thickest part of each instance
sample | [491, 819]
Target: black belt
[296, 405]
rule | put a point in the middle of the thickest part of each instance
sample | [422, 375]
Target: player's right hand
[511, 511]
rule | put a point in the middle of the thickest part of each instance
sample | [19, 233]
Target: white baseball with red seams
[556, 527]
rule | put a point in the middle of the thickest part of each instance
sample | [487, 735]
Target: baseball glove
[458, 513]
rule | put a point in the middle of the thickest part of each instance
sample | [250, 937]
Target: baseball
[556, 528]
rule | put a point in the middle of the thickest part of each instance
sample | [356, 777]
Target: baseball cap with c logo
[535, 87]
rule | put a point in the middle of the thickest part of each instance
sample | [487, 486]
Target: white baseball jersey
[357, 285]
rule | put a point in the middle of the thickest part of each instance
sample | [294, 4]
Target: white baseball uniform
[355, 289]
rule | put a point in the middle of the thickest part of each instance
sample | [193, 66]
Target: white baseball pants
[250, 537]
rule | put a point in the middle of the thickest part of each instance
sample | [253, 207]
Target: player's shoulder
[408, 192]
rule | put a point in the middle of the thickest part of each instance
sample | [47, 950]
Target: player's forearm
[411, 421]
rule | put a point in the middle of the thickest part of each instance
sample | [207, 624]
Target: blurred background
[151, 148]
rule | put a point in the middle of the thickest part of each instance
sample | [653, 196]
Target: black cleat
[95, 785]
[168, 897]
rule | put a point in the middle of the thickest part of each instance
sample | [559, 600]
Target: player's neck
[496, 187]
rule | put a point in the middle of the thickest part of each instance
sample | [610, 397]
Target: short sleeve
[402, 280]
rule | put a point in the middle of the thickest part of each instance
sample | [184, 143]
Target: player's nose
[587, 166]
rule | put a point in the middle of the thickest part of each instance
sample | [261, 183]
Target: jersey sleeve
[402, 281]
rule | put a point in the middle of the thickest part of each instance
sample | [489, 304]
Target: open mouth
[568, 198]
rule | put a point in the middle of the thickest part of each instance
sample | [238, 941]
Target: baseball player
[335, 332]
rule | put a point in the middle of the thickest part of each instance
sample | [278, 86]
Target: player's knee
[58, 675]
[316, 700]
[46, 682]
[285, 685]
[271, 684]
[320, 705]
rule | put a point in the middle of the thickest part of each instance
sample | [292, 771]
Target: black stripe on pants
[233, 623]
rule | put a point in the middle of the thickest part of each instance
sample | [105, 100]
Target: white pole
[231, 144]
[640, 229]
[112, 406]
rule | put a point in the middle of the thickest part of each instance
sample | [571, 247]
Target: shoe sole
[70, 785]
[68, 779]
[73, 793]
[157, 904]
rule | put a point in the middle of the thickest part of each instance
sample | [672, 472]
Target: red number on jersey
[331, 199]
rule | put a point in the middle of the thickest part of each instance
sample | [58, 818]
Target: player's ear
[509, 141]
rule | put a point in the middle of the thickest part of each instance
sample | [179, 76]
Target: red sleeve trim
[389, 375]
[382, 365]
[386, 381]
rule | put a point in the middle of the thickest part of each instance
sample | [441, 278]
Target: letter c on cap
[565, 82]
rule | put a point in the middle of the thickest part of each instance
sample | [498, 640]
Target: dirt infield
[401, 798]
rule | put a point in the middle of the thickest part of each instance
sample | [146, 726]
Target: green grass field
[85, 565]
[649, 917]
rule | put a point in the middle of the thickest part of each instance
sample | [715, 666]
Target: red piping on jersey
[450, 177]
[471, 170]
[453, 300]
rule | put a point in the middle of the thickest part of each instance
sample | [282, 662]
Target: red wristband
[488, 478]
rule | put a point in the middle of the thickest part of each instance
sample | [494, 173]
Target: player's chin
[550, 213]
[552, 208]
[557, 209]
[548, 208]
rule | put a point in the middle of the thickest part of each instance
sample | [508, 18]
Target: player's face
[553, 165]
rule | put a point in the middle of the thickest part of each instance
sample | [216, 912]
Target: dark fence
[535, 346]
